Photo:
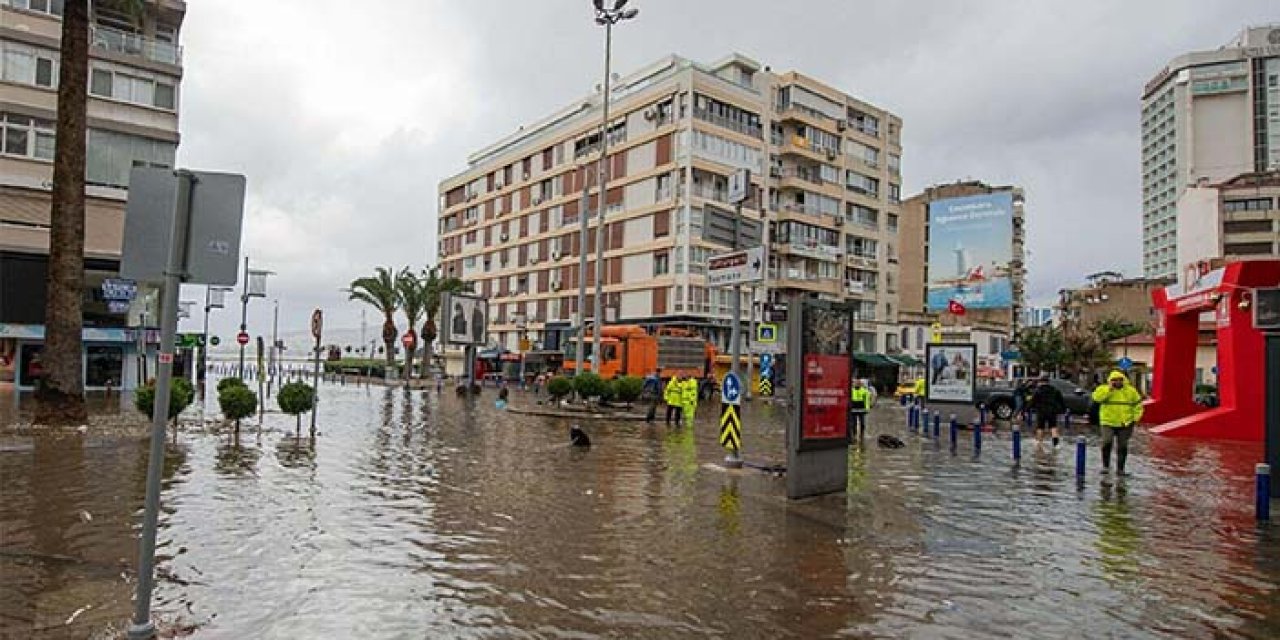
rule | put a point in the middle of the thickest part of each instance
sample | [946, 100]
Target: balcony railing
[132, 44]
[809, 175]
[733, 125]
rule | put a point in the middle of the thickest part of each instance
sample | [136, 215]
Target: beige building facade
[825, 184]
[1236, 219]
[135, 73]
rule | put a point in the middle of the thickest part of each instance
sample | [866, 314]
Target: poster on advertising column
[827, 367]
[950, 369]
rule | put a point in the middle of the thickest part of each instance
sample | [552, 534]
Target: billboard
[951, 369]
[971, 251]
[465, 319]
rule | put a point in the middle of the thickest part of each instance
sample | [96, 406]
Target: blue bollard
[911, 415]
[982, 414]
[955, 430]
[924, 423]
[1263, 474]
[1080, 456]
[977, 437]
[902, 400]
[937, 425]
[1017, 444]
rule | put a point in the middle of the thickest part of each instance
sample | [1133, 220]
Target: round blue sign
[731, 389]
[1125, 363]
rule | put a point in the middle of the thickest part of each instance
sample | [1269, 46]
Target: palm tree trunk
[61, 395]
[389, 341]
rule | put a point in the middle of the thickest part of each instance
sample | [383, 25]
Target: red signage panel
[826, 396]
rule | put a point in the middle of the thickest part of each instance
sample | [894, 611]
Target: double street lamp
[255, 286]
[605, 18]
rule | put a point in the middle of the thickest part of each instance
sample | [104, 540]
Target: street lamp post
[248, 291]
[211, 302]
[605, 18]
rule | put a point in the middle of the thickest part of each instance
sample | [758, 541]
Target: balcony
[132, 44]
[733, 125]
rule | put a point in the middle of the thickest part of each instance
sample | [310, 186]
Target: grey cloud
[1035, 93]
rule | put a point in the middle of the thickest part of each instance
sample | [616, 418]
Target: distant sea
[996, 293]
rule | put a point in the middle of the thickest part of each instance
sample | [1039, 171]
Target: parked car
[904, 389]
[999, 399]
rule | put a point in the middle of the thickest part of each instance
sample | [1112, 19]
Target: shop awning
[874, 360]
[906, 360]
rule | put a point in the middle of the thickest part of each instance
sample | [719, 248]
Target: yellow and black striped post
[730, 428]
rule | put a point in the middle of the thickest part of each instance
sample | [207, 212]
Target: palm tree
[379, 291]
[433, 289]
[61, 392]
[412, 301]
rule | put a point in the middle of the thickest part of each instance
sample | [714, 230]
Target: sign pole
[735, 334]
[751, 336]
[317, 324]
[244, 314]
[142, 627]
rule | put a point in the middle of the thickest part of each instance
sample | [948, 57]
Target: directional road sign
[736, 267]
[730, 427]
[731, 389]
[766, 332]
[1125, 363]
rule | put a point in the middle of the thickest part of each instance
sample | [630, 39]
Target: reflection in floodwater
[416, 514]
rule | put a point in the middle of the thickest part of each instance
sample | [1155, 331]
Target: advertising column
[820, 348]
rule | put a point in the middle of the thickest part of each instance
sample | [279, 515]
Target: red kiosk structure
[1227, 292]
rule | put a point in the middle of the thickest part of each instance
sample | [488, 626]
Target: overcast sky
[346, 116]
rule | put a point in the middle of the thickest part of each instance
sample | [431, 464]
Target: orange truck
[631, 351]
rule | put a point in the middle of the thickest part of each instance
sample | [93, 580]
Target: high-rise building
[135, 69]
[1206, 116]
[825, 176]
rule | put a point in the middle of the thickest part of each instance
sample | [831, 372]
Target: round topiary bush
[237, 402]
[559, 387]
[230, 382]
[181, 395]
[628, 388]
[295, 399]
[588, 385]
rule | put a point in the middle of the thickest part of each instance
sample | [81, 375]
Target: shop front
[110, 357]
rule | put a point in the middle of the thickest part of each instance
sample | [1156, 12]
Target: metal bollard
[937, 424]
[1081, 443]
[955, 430]
[977, 436]
[1263, 507]
[923, 424]
[1017, 444]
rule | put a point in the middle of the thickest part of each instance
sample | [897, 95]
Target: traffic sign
[736, 267]
[1010, 355]
[215, 340]
[731, 389]
[242, 338]
[730, 427]
[317, 323]
[767, 332]
[409, 340]
[1125, 363]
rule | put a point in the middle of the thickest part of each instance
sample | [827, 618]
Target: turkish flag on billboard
[955, 308]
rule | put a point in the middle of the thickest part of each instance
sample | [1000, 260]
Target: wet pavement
[415, 515]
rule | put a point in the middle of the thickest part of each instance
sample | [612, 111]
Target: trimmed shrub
[559, 387]
[588, 385]
[608, 390]
[628, 388]
[295, 399]
[181, 395]
[237, 402]
[376, 368]
[230, 382]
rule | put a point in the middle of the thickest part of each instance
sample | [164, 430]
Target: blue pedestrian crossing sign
[731, 389]
[1125, 363]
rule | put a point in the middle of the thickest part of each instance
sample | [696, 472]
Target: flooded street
[416, 516]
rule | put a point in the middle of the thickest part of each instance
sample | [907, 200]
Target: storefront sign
[119, 289]
[88, 334]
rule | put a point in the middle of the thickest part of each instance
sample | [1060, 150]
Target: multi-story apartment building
[1206, 116]
[825, 176]
[134, 74]
[1236, 219]
[1109, 296]
[992, 329]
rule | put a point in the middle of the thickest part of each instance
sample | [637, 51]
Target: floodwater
[416, 516]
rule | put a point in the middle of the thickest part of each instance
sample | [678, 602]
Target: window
[1247, 226]
[661, 263]
[895, 163]
[1251, 204]
[862, 216]
[862, 247]
[895, 193]
[51, 7]
[867, 154]
[891, 222]
[726, 115]
[858, 183]
[819, 140]
[27, 137]
[726, 151]
[106, 83]
[865, 122]
[29, 65]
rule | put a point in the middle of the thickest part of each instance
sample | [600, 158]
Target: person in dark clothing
[1046, 403]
